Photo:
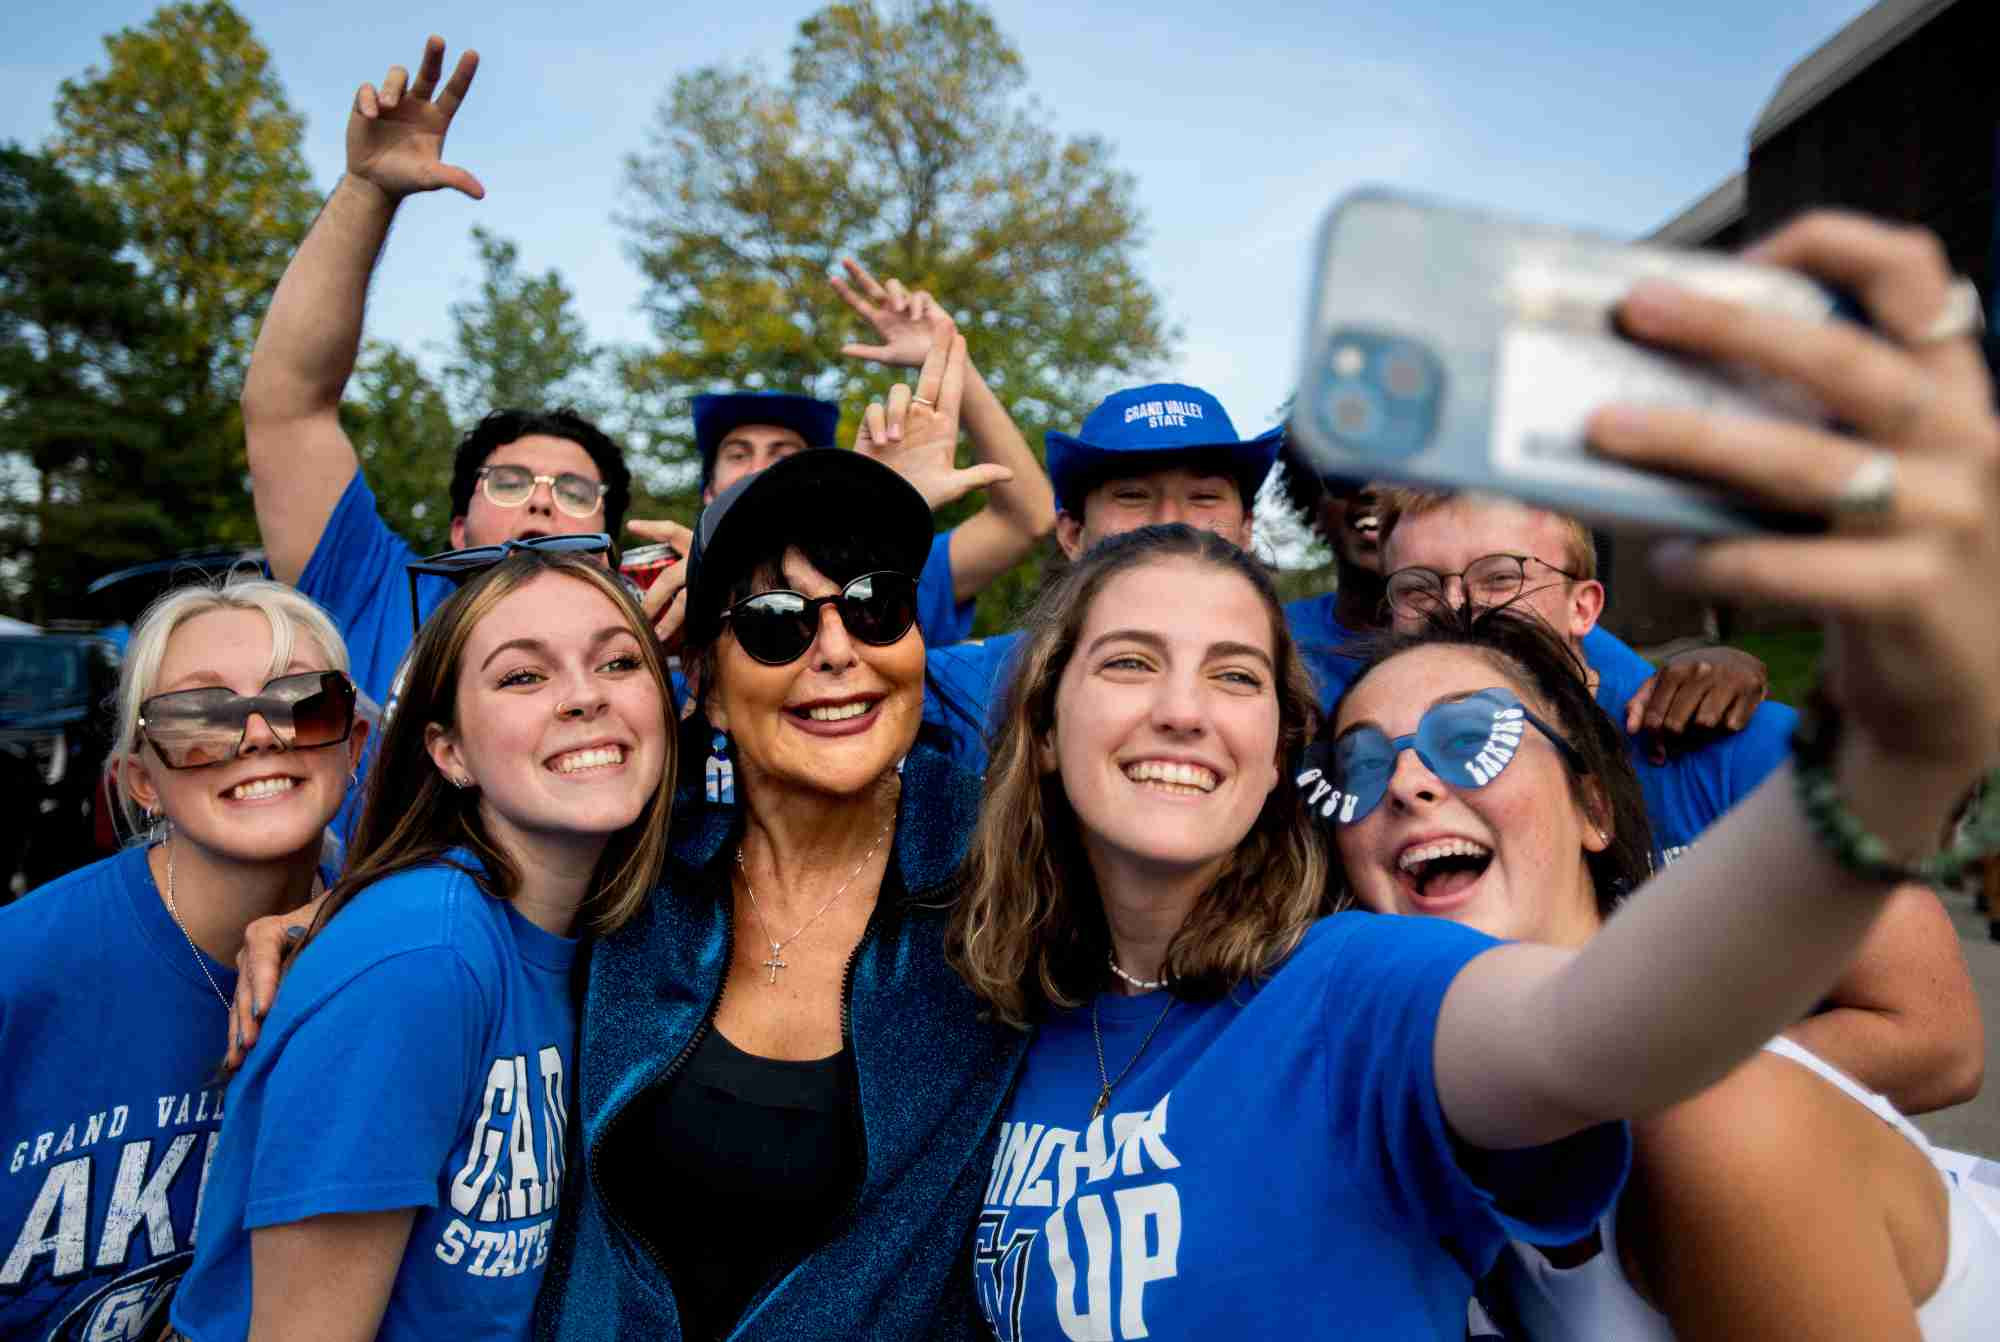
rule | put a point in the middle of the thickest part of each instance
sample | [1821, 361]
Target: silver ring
[918, 400]
[1962, 316]
[1871, 491]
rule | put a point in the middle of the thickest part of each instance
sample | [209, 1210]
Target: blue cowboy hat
[1145, 429]
[717, 414]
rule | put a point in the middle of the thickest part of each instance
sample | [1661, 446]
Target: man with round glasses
[1896, 1020]
[518, 474]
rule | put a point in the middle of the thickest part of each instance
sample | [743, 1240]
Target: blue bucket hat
[1143, 429]
[717, 414]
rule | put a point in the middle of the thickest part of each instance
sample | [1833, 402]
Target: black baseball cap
[802, 495]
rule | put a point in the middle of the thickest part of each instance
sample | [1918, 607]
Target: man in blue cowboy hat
[1165, 452]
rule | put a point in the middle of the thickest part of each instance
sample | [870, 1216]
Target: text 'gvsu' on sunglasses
[194, 729]
[460, 566]
[1463, 742]
[777, 627]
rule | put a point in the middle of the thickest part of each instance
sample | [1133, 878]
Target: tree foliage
[86, 447]
[188, 133]
[903, 137]
[401, 426]
[520, 343]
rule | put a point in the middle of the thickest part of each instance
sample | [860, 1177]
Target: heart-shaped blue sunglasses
[1465, 742]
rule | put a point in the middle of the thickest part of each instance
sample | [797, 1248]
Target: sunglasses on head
[193, 729]
[460, 566]
[777, 627]
[512, 486]
[1465, 743]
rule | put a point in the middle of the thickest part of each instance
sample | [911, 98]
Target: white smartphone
[1451, 349]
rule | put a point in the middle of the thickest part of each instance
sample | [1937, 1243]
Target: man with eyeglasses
[1903, 1019]
[517, 474]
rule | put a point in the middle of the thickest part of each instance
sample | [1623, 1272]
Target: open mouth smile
[1437, 870]
[587, 759]
[836, 717]
[1176, 778]
[261, 789]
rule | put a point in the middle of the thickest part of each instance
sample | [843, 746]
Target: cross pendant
[1103, 1098]
[775, 963]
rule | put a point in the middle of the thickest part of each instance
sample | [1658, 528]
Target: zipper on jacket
[666, 1074]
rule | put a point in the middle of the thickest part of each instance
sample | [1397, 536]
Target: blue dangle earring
[720, 774]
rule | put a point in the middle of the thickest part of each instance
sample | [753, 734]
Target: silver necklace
[776, 960]
[1144, 985]
[1097, 1037]
[174, 909]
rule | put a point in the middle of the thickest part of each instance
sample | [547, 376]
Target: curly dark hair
[1524, 649]
[501, 427]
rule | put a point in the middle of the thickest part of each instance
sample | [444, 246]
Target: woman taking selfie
[1783, 1198]
[236, 737]
[1236, 1119]
[395, 1147]
[787, 1095]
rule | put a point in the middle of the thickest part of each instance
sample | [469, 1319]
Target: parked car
[56, 691]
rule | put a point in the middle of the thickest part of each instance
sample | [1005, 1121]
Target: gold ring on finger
[918, 400]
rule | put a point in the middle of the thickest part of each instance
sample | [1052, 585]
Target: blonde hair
[1579, 546]
[1028, 931]
[292, 616]
[413, 817]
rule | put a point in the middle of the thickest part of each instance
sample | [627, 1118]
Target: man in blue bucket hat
[1165, 452]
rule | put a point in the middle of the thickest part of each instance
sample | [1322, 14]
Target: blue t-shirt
[421, 1053]
[1694, 788]
[1274, 1164]
[967, 679]
[110, 1036]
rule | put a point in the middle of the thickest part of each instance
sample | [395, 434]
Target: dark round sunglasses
[196, 729]
[1464, 742]
[776, 628]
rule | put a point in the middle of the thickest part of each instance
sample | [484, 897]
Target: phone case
[1450, 349]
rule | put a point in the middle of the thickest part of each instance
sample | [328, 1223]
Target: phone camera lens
[1353, 410]
[1403, 373]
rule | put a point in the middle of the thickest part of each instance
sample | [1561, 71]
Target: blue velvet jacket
[932, 1078]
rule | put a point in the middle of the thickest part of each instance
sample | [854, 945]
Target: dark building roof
[1846, 54]
[1707, 218]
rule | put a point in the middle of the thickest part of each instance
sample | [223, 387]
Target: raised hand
[916, 432]
[910, 324]
[395, 134]
[1905, 578]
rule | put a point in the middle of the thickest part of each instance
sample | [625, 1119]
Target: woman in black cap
[787, 1094]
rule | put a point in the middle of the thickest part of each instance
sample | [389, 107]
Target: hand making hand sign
[395, 134]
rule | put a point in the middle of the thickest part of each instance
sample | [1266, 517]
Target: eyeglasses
[196, 729]
[512, 486]
[1490, 580]
[777, 627]
[458, 566]
[1465, 743]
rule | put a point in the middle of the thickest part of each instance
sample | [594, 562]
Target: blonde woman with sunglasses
[236, 739]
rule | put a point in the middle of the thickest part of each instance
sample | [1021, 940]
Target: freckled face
[1166, 719]
[559, 723]
[269, 802]
[1536, 885]
[1448, 538]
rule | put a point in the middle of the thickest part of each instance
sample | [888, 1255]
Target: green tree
[401, 426]
[520, 343]
[187, 133]
[85, 435]
[904, 137]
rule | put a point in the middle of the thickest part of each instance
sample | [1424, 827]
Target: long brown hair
[413, 817]
[1028, 931]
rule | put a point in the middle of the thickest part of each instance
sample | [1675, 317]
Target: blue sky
[1240, 122]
